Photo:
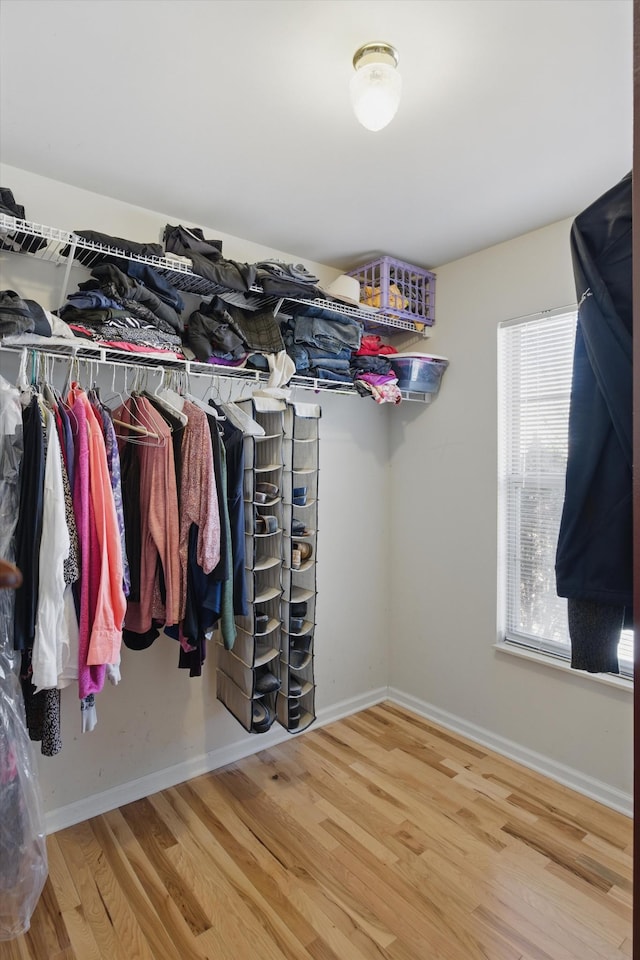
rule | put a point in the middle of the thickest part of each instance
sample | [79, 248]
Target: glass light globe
[375, 94]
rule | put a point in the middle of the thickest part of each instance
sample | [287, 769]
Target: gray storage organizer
[277, 635]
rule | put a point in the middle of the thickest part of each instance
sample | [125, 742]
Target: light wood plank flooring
[379, 836]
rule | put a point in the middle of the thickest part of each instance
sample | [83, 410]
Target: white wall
[444, 532]
[407, 549]
[157, 717]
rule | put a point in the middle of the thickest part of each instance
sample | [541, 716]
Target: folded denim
[299, 355]
[322, 373]
[329, 363]
[93, 299]
[330, 336]
[316, 354]
[311, 310]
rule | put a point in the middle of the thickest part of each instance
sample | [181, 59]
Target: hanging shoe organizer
[248, 677]
[269, 673]
[296, 698]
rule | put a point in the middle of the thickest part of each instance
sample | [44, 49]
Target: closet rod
[104, 356]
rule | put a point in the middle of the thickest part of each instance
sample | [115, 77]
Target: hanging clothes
[159, 522]
[51, 644]
[594, 568]
[198, 498]
[30, 527]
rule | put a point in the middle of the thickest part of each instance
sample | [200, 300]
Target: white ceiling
[515, 113]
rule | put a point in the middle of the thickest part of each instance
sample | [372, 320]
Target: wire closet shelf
[58, 246]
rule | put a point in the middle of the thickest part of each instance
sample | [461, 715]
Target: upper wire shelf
[62, 246]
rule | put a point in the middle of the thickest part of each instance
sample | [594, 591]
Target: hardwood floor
[379, 836]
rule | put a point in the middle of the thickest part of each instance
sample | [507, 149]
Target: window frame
[558, 650]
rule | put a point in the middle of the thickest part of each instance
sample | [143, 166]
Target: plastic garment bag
[23, 851]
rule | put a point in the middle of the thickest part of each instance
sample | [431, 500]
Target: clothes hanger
[135, 426]
[169, 400]
[240, 419]
[197, 402]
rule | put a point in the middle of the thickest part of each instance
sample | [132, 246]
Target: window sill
[620, 683]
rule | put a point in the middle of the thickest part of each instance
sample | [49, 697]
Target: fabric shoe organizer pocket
[255, 715]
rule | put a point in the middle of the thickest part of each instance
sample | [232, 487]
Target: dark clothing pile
[114, 308]
[15, 240]
[206, 258]
[222, 331]
[19, 315]
[88, 256]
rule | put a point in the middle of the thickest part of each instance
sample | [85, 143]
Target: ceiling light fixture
[376, 84]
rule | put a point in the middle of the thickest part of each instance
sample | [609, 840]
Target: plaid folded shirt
[259, 329]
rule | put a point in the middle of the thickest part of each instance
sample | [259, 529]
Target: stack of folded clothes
[206, 258]
[279, 279]
[321, 341]
[116, 309]
[372, 372]
[22, 318]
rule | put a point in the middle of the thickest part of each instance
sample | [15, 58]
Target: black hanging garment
[595, 544]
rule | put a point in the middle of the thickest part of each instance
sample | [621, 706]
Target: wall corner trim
[567, 776]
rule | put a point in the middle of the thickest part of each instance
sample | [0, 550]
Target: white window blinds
[535, 362]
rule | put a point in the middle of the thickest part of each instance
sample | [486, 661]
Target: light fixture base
[375, 52]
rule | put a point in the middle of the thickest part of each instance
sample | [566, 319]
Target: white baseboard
[98, 803]
[567, 776]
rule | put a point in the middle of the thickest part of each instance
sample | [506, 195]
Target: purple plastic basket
[398, 289]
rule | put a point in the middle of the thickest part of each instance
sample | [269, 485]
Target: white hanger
[197, 402]
[242, 420]
[172, 402]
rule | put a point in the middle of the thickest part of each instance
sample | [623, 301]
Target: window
[535, 363]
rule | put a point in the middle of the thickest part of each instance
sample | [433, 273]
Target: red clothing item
[106, 632]
[107, 618]
[90, 678]
[371, 345]
[159, 525]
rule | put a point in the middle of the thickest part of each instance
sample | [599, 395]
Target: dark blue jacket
[594, 554]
